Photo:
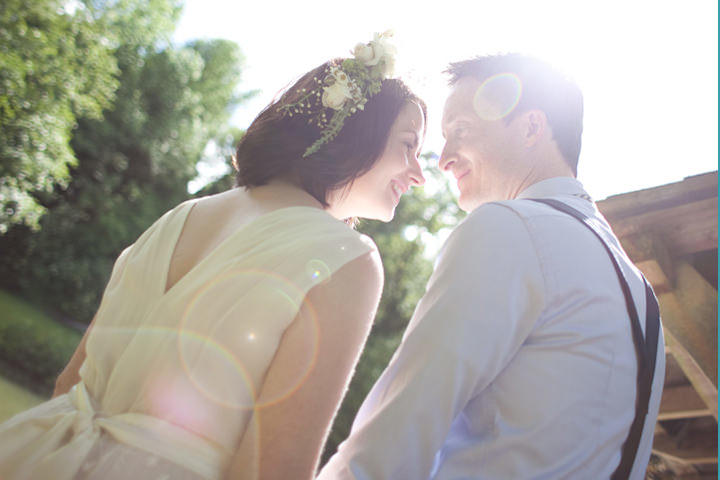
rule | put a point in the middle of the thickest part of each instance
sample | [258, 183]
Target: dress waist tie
[59, 458]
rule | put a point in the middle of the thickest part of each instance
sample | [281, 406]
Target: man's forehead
[460, 100]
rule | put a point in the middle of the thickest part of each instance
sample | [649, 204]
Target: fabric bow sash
[56, 445]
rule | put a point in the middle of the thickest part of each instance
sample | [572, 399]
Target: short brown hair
[543, 88]
[274, 144]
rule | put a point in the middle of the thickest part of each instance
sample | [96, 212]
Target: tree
[132, 165]
[224, 151]
[55, 65]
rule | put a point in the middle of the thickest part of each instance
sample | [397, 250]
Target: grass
[15, 399]
[34, 348]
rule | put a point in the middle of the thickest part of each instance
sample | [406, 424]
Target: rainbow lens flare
[497, 96]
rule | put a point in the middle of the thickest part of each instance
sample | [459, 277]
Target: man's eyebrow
[447, 122]
[451, 118]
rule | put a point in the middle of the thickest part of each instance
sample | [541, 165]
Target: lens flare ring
[278, 287]
[497, 96]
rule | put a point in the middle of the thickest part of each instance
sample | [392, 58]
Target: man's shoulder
[510, 221]
[523, 208]
[504, 214]
[490, 223]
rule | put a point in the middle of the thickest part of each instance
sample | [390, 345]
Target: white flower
[363, 53]
[335, 95]
[340, 76]
[389, 66]
[378, 49]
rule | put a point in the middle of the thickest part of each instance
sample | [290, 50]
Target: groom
[520, 361]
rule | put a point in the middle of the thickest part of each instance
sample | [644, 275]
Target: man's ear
[534, 125]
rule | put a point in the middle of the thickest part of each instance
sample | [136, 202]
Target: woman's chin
[387, 216]
[382, 216]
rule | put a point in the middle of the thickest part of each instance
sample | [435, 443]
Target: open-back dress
[171, 377]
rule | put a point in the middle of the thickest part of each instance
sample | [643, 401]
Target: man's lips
[459, 176]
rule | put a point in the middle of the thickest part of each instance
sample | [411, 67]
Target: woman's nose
[416, 174]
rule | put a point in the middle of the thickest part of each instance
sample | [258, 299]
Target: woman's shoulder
[318, 230]
[357, 283]
[366, 268]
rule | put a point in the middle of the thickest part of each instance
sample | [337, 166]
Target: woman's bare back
[214, 218]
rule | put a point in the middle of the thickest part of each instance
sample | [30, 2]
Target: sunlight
[645, 68]
[211, 166]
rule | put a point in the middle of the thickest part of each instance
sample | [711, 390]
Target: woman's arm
[286, 436]
[70, 374]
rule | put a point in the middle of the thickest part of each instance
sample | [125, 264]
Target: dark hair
[543, 88]
[274, 144]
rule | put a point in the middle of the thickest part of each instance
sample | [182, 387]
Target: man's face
[485, 155]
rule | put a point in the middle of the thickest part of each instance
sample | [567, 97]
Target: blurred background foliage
[103, 123]
[124, 165]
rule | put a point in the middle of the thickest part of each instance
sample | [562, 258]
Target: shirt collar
[555, 186]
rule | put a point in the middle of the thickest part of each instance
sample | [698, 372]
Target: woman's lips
[397, 189]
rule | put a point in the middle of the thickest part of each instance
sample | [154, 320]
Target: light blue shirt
[517, 363]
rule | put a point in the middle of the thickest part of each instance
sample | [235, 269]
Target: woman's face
[376, 193]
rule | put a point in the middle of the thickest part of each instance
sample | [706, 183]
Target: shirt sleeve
[482, 301]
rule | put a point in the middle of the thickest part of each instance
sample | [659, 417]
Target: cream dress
[170, 377]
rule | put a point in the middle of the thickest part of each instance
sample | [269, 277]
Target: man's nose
[447, 157]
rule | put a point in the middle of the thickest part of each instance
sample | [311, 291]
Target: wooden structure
[670, 232]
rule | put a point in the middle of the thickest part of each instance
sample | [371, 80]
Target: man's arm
[481, 304]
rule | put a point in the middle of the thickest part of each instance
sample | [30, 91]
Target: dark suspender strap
[645, 348]
[652, 325]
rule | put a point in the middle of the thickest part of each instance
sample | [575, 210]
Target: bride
[229, 330]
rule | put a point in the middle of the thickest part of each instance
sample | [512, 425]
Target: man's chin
[467, 204]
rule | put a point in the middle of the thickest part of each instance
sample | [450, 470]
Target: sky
[648, 69]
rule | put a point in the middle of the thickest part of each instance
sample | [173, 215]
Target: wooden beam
[655, 275]
[687, 217]
[704, 387]
[690, 312]
[659, 430]
[678, 319]
[690, 189]
[650, 254]
[682, 414]
[681, 402]
[701, 447]
[698, 476]
[674, 376]
[699, 299]
[679, 468]
[700, 235]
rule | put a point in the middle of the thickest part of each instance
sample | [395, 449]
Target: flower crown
[345, 89]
